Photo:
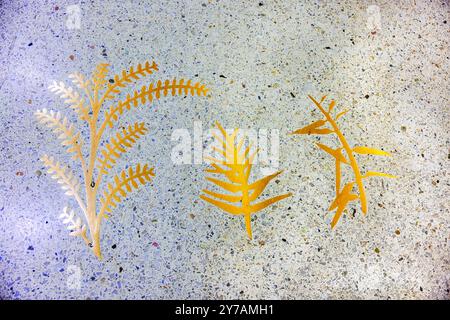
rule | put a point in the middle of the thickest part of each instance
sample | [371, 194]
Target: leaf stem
[348, 150]
[91, 191]
[338, 176]
[85, 238]
[245, 201]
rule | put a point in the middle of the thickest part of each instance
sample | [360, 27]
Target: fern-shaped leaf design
[80, 81]
[103, 153]
[344, 195]
[154, 91]
[263, 204]
[315, 127]
[335, 153]
[69, 183]
[340, 203]
[118, 144]
[124, 184]
[65, 130]
[339, 158]
[372, 151]
[99, 76]
[128, 76]
[73, 222]
[340, 114]
[331, 105]
[378, 174]
[235, 167]
[72, 98]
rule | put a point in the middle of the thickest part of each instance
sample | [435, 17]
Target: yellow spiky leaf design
[124, 183]
[97, 91]
[344, 196]
[235, 165]
[118, 144]
[66, 131]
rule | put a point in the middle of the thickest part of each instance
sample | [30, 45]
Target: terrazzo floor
[385, 61]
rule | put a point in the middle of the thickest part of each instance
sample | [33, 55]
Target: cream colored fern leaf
[97, 90]
[65, 130]
[124, 184]
[72, 98]
[64, 176]
[74, 223]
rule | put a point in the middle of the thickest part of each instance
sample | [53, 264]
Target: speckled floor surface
[260, 60]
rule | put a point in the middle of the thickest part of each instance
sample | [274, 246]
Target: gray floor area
[385, 61]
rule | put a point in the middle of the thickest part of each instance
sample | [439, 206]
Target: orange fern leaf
[117, 145]
[123, 184]
[372, 151]
[128, 76]
[79, 80]
[340, 114]
[336, 153]
[235, 166]
[341, 201]
[314, 127]
[344, 196]
[149, 93]
[377, 174]
[339, 158]
[99, 76]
